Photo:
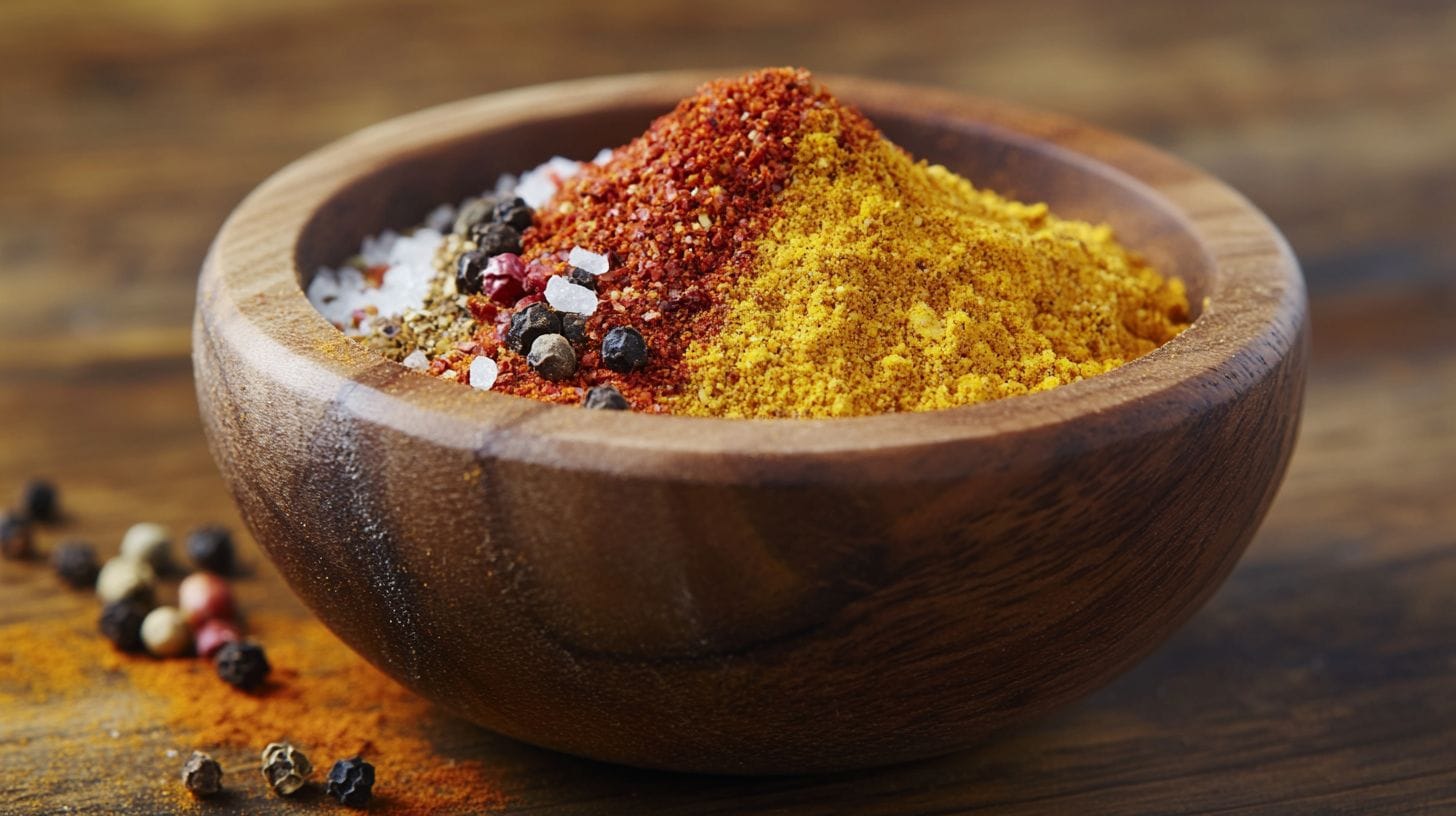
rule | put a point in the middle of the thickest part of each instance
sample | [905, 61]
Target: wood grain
[1316, 681]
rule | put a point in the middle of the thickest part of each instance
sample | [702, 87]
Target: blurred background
[129, 129]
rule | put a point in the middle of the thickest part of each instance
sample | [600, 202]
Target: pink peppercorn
[537, 274]
[213, 634]
[502, 281]
[203, 596]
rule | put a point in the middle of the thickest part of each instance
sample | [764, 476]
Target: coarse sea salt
[441, 218]
[340, 294]
[483, 371]
[589, 262]
[417, 360]
[565, 296]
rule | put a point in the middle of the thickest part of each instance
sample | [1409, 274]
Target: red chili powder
[678, 210]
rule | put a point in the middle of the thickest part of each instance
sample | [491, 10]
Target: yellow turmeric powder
[892, 285]
[771, 254]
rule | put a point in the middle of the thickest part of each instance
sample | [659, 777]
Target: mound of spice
[763, 251]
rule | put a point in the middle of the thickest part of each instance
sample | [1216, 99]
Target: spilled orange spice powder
[320, 696]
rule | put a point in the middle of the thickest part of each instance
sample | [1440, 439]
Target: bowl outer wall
[753, 596]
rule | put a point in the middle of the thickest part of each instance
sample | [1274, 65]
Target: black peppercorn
[514, 213]
[475, 212]
[351, 781]
[38, 501]
[605, 397]
[493, 239]
[624, 350]
[530, 323]
[75, 563]
[581, 277]
[573, 327]
[15, 536]
[242, 664]
[202, 775]
[121, 623]
[211, 548]
[470, 272]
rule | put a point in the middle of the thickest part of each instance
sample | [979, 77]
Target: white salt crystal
[410, 267]
[538, 185]
[417, 360]
[588, 261]
[506, 185]
[441, 218]
[324, 287]
[565, 296]
[376, 248]
[603, 156]
[482, 373]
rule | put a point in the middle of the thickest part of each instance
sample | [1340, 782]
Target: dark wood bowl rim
[1255, 291]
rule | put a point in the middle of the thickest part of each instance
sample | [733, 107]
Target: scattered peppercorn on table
[1317, 680]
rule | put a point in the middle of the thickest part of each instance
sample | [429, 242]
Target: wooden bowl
[747, 596]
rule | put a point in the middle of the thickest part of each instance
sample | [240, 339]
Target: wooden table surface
[1321, 678]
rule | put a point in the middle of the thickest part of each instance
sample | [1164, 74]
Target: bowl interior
[400, 193]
